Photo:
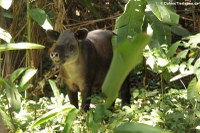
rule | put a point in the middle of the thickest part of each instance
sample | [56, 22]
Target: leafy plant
[137, 127]
[61, 109]
[16, 83]
[41, 18]
[13, 90]
[163, 13]
[122, 64]
[128, 46]
[128, 27]
[128, 54]
[190, 66]
[15, 46]
[183, 62]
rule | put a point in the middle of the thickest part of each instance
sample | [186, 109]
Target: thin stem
[28, 53]
[28, 22]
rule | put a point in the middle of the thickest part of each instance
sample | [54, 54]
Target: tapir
[84, 58]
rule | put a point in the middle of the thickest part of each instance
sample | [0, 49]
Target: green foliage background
[145, 31]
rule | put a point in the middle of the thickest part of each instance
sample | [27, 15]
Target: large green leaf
[58, 96]
[128, 47]
[181, 75]
[69, 120]
[172, 50]
[137, 128]
[130, 22]
[5, 36]
[5, 4]
[14, 98]
[126, 56]
[193, 89]
[19, 46]
[52, 114]
[41, 18]
[12, 94]
[196, 69]
[182, 54]
[99, 113]
[193, 40]
[91, 123]
[16, 74]
[162, 12]
[161, 31]
[25, 78]
[179, 30]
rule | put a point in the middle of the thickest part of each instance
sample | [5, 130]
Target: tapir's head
[67, 47]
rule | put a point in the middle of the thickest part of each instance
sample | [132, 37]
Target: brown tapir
[84, 58]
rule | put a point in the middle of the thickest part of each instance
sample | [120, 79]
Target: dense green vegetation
[161, 55]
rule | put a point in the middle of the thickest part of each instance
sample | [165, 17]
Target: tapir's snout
[55, 57]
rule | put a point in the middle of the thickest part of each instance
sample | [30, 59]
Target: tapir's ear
[52, 34]
[81, 34]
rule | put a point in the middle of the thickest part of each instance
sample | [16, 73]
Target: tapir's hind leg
[125, 92]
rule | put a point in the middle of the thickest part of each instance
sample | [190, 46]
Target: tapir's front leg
[73, 98]
[86, 98]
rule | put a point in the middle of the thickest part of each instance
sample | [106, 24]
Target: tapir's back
[102, 42]
[103, 45]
